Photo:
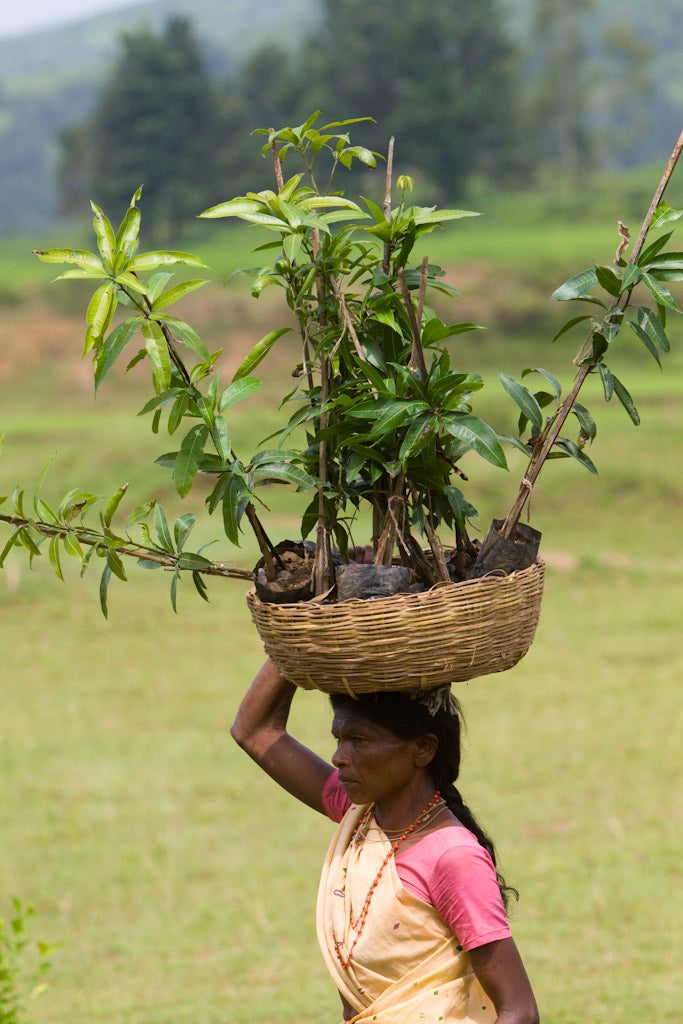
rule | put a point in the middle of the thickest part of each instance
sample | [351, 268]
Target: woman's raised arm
[260, 728]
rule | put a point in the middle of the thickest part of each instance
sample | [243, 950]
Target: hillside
[49, 79]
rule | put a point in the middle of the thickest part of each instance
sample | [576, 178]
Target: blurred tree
[625, 96]
[156, 124]
[560, 86]
[442, 77]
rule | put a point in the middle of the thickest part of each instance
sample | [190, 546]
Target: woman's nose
[340, 756]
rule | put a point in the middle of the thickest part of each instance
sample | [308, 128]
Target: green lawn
[180, 884]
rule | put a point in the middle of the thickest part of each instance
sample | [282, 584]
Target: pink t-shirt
[450, 870]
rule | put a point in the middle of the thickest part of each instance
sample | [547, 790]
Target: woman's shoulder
[450, 837]
[445, 850]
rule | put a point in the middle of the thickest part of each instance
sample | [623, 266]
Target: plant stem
[417, 360]
[279, 178]
[386, 263]
[555, 425]
[90, 539]
[322, 580]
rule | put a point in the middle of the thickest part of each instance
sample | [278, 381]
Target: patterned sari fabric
[406, 966]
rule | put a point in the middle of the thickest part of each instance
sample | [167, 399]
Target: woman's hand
[260, 728]
[500, 970]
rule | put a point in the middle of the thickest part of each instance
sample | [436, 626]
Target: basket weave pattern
[451, 633]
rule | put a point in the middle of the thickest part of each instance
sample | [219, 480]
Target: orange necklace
[358, 923]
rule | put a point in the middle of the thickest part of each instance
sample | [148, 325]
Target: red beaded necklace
[358, 923]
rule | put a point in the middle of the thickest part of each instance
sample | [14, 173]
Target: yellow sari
[406, 966]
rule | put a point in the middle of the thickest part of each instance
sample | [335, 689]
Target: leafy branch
[651, 267]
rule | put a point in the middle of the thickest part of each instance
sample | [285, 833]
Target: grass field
[179, 883]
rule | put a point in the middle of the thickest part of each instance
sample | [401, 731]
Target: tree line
[466, 101]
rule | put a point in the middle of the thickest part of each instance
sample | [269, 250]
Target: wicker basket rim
[442, 585]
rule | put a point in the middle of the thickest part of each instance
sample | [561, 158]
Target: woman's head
[407, 716]
[431, 721]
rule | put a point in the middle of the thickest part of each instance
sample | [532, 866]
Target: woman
[411, 916]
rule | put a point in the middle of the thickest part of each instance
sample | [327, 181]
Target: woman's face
[373, 763]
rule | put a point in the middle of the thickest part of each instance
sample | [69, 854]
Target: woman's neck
[401, 810]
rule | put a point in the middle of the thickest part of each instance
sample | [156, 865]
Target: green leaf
[104, 587]
[177, 412]
[550, 377]
[131, 282]
[570, 448]
[187, 334]
[461, 508]
[660, 293]
[44, 512]
[654, 328]
[626, 400]
[200, 586]
[82, 275]
[106, 240]
[607, 381]
[113, 346]
[285, 471]
[158, 353]
[631, 277]
[162, 530]
[665, 214]
[182, 529]
[234, 502]
[609, 280]
[12, 542]
[174, 294]
[238, 390]
[115, 564]
[586, 421]
[667, 261]
[651, 250]
[646, 340]
[517, 443]
[273, 455]
[417, 433]
[72, 546]
[163, 258]
[189, 560]
[365, 156]
[525, 400]
[233, 208]
[79, 257]
[189, 458]
[139, 513]
[127, 237]
[431, 216]
[157, 283]
[576, 287]
[259, 352]
[55, 559]
[434, 330]
[392, 415]
[76, 502]
[221, 436]
[478, 435]
[113, 504]
[100, 311]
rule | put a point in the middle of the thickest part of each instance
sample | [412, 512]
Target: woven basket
[451, 633]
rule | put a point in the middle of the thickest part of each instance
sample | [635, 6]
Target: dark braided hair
[407, 717]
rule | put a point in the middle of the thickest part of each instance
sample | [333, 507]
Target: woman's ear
[425, 749]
